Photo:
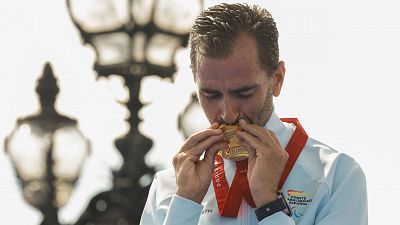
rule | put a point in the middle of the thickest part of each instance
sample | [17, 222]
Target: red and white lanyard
[230, 198]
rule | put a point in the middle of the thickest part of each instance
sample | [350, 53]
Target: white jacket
[324, 188]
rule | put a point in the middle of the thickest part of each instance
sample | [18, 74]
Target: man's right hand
[193, 176]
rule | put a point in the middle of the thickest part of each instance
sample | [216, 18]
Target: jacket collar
[283, 131]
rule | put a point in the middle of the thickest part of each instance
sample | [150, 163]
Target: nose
[229, 112]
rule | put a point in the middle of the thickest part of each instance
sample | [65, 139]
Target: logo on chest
[299, 198]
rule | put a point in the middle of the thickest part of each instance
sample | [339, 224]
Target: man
[288, 178]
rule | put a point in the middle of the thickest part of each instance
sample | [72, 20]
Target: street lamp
[131, 39]
[134, 37]
[47, 151]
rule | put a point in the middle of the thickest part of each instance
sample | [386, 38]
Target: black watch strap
[273, 207]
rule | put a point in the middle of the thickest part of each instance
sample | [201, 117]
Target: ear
[278, 78]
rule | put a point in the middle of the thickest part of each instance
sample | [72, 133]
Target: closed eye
[211, 94]
[245, 94]
[245, 91]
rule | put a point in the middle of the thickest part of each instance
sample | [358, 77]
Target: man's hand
[266, 162]
[193, 176]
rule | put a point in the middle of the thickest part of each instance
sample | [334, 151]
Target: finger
[182, 157]
[254, 142]
[204, 145]
[200, 136]
[264, 135]
[215, 125]
[209, 155]
[253, 129]
[273, 136]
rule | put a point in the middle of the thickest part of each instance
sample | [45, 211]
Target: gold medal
[234, 151]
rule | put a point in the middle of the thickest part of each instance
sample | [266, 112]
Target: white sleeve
[348, 198]
[177, 211]
[183, 212]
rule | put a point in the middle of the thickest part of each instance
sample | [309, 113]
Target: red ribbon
[229, 199]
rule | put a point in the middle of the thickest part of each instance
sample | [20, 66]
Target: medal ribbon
[230, 198]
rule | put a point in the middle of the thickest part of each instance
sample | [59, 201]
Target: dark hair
[217, 28]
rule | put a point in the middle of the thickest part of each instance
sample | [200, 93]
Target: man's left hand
[266, 162]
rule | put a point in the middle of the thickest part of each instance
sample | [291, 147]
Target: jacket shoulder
[324, 163]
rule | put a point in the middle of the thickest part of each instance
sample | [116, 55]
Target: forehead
[240, 68]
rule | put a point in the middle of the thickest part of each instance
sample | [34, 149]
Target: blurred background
[342, 82]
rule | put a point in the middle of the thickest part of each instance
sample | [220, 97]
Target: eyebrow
[237, 90]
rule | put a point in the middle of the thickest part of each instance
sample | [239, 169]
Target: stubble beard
[261, 117]
[266, 110]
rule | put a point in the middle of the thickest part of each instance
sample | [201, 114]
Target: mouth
[236, 123]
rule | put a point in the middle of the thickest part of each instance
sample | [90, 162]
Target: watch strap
[271, 208]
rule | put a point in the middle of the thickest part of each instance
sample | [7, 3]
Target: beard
[261, 114]
[266, 110]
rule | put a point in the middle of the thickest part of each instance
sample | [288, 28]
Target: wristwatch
[273, 207]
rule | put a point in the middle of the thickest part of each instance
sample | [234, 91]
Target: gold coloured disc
[235, 154]
[234, 151]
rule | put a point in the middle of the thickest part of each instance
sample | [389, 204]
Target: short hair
[217, 28]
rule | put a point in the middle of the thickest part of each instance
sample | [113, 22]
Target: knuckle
[264, 154]
[179, 158]
[195, 136]
[175, 160]
[272, 134]
[285, 155]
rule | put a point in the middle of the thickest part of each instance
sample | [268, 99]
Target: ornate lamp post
[47, 151]
[131, 39]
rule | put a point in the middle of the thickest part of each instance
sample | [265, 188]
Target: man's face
[237, 87]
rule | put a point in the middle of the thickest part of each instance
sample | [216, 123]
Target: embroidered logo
[299, 198]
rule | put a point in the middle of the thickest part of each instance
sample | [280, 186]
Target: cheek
[209, 110]
[251, 108]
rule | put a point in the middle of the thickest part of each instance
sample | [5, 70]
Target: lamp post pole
[123, 203]
[132, 40]
[49, 211]
[134, 145]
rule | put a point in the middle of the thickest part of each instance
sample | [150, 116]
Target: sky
[342, 82]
